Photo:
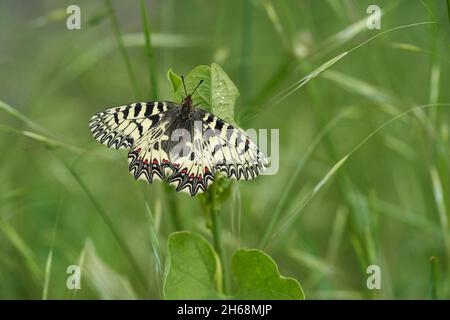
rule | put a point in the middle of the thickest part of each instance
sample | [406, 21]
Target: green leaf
[174, 79]
[109, 284]
[194, 269]
[224, 93]
[216, 94]
[203, 93]
[257, 277]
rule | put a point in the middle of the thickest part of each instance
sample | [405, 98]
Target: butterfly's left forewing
[124, 126]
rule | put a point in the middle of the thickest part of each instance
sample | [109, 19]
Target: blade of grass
[350, 32]
[48, 264]
[273, 16]
[48, 142]
[109, 224]
[300, 83]
[85, 60]
[442, 210]
[361, 87]
[149, 51]
[23, 249]
[246, 46]
[342, 37]
[123, 51]
[18, 115]
[294, 176]
[155, 248]
[407, 26]
[336, 234]
[300, 206]
[413, 219]
[284, 68]
[109, 284]
[312, 262]
[80, 263]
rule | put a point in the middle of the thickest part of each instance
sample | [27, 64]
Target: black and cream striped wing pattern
[186, 150]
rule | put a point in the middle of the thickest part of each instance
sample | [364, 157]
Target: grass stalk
[218, 243]
[172, 208]
[434, 278]
[276, 22]
[441, 208]
[29, 258]
[149, 52]
[155, 249]
[246, 46]
[293, 178]
[123, 51]
[101, 211]
[48, 265]
[212, 210]
[18, 115]
[448, 10]
[300, 206]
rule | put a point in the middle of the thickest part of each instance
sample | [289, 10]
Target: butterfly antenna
[201, 81]
[184, 86]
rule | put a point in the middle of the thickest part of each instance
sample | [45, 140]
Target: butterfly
[178, 143]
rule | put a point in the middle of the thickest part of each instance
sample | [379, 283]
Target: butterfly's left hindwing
[148, 130]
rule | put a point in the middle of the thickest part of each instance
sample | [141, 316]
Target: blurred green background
[387, 205]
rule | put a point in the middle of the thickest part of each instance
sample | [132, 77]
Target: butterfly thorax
[186, 107]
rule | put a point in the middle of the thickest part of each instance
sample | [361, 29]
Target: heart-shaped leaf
[193, 269]
[257, 277]
[216, 94]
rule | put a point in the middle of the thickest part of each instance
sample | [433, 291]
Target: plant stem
[448, 9]
[434, 274]
[172, 208]
[217, 237]
[122, 49]
[149, 50]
